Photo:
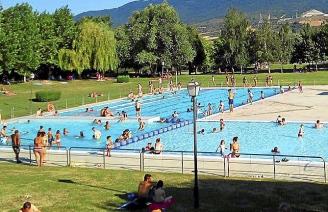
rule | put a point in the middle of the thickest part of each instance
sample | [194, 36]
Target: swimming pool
[254, 137]
[164, 105]
[152, 106]
[29, 130]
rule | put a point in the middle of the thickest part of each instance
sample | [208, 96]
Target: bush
[123, 79]
[47, 96]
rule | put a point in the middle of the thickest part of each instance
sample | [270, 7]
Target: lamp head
[193, 88]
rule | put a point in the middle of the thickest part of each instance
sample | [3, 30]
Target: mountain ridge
[194, 11]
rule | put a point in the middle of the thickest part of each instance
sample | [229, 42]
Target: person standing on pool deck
[138, 108]
[15, 138]
[231, 96]
[300, 87]
[262, 95]
[109, 145]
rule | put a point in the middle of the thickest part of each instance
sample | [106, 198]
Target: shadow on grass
[68, 181]
[243, 195]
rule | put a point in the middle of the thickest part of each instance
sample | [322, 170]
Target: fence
[277, 167]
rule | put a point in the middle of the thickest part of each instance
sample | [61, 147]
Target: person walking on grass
[15, 138]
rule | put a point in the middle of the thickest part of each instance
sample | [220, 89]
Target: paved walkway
[310, 105]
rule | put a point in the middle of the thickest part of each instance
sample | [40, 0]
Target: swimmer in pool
[221, 107]
[283, 122]
[222, 148]
[215, 130]
[107, 125]
[301, 131]
[81, 135]
[279, 120]
[96, 134]
[202, 131]
[222, 124]
[65, 131]
[262, 95]
[318, 124]
[275, 150]
[141, 124]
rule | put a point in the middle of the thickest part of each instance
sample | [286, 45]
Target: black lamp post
[31, 95]
[193, 90]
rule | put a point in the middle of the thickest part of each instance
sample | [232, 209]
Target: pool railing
[273, 166]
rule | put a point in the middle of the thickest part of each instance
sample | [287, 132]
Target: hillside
[194, 11]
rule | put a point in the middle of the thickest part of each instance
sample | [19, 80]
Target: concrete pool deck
[309, 106]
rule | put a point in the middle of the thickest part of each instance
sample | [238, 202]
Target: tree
[123, 47]
[307, 49]
[231, 47]
[155, 32]
[265, 44]
[285, 41]
[20, 48]
[198, 47]
[65, 28]
[146, 58]
[68, 60]
[49, 40]
[94, 48]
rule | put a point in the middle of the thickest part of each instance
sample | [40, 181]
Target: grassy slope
[104, 190]
[75, 92]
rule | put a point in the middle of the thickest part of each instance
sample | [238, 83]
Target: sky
[77, 6]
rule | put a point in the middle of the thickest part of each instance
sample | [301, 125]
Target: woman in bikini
[38, 149]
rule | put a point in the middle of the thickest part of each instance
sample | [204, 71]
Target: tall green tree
[20, 48]
[285, 44]
[231, 47]
[65, 28]
[307, 48]
[94, 48]
[156, 32]
[49, 40]
[265, 44]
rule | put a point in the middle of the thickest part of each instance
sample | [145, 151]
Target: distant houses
[313, 17]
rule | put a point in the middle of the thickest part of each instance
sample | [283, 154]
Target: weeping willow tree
[94, 48]
[67, 60]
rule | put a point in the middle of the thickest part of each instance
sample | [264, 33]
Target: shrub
[123, 79]
[47, 96]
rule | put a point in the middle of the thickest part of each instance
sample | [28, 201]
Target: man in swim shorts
[231, 96]
[138, 108]
[15, 138]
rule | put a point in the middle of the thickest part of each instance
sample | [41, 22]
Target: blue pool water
[152, 106]
[74, 127]
[165, 105]
[254, 137]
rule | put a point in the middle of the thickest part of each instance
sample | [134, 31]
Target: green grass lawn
[77, 189]
[75, 93]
